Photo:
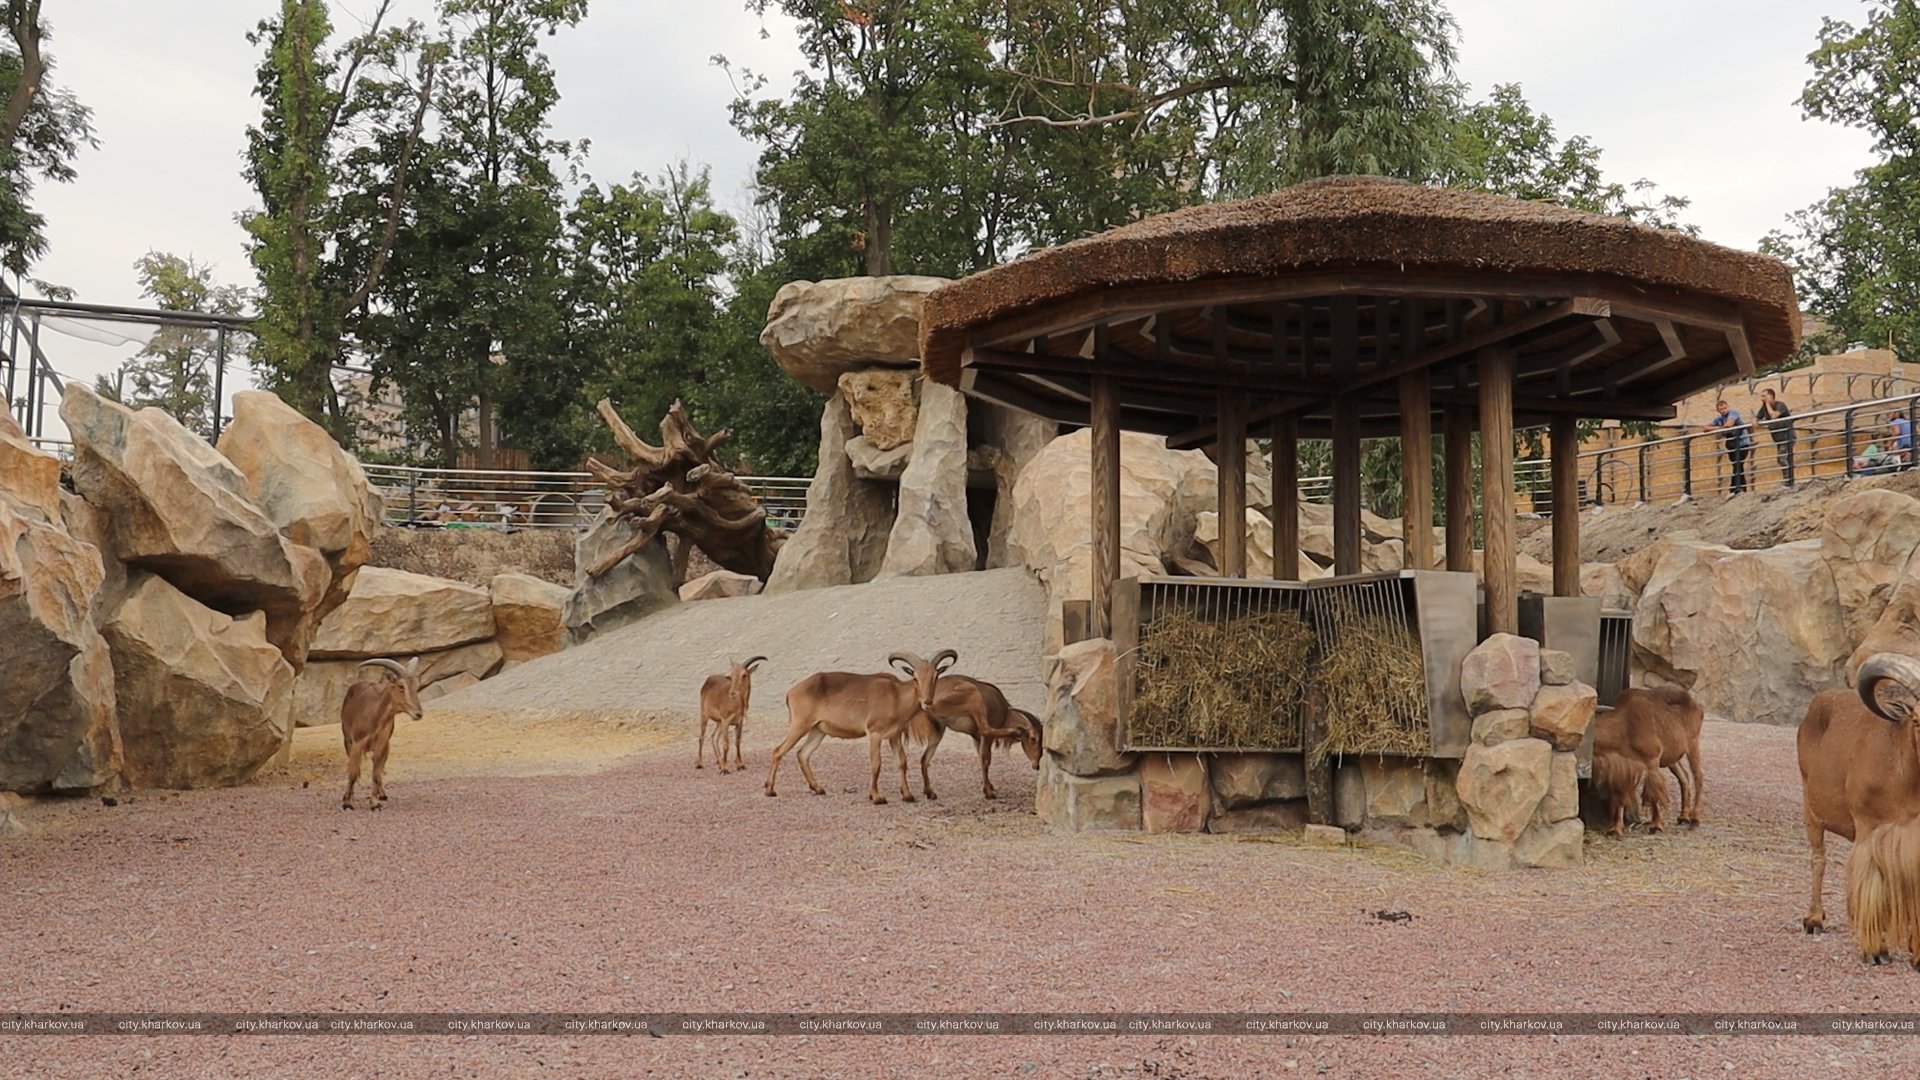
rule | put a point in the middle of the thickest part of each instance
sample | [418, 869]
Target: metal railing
[417, 497]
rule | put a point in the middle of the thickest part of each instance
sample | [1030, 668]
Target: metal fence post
[1686, 464]
[1641, 488]
[1847, 428]
[413, 492]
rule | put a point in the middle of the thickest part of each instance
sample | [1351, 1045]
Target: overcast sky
[1697, 95]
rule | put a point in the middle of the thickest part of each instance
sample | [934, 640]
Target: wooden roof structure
[1342, 286]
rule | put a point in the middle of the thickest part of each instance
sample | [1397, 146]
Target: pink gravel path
[652, 887]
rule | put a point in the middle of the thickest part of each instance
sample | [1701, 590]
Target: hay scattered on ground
[1373, 690]
[1221, 685]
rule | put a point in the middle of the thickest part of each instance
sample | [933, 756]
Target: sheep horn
[894, 660]
[756, 660]
[1888, 667]
[949, 655]
[391, 665]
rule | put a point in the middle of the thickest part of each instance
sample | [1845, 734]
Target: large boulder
[1087, 803]
[1896, 631]
[1162, 493]
[305, 484]
[529, 615]
[1605, 581]
[1752, 634]
[818, 330]
[636, 587]
[1174, 795]
[872, 463]
[175, 507]
[1502, 672]
[1868, 539]
[1082, 725]
[1501, 786]
[29, 478]
[56, 682]
[720, 585]
[1206, 533]
[843, 538]
[1241, 780]
[931, 533]
[882, 403]
[1562, 714]
[1016, 439]
[396, 613]
[204, 699]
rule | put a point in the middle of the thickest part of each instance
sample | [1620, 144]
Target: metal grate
[1339, 605]
[1217, 602]
[1616, 645]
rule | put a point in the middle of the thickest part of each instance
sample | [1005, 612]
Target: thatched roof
[1401, 241]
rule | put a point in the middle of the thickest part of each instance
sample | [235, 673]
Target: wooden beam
[1594, 408]
[1205, 434]
[1136, 371]
[1343, 337]
[1605, 336]
[1742, 351]
[1564, 438]
[1498, 558]
[1346, 485]
[1231, 457]
[1105, 501]
[1485, 338]
[1670, 350]
[1285, 510]
[1416, 469]
[1458, 420]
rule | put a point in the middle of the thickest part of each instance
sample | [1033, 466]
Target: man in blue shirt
[1902, 442]
[1739, 440]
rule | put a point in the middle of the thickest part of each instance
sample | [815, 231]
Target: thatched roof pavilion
[1351, 307]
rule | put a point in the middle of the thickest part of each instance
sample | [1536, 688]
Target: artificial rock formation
[314, 492]
[175, 507]
[529, 615]
[203, 698]
[396, 613]
[719, 585]
[56, 682]
[819, 330]
[637, 585]
[843, 538]
[930, 533]
[883, 404]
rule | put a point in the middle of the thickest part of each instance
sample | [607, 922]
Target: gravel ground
[653, 887]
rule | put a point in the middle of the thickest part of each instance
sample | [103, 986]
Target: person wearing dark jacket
[1739, 440]
[1778, 419]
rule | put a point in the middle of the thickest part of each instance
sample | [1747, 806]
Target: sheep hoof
[1814, 926]
[346, 806]
[931, 797]
[906, 798]
[1876, 959]
[989, 794]
[383, 798]
[771, 793]
[879, 800]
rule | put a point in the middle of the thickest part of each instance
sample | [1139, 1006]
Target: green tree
[474, 303]
[1856, 252]
[175, 370]
[1503, 146]
[42, 130]
[334, 121]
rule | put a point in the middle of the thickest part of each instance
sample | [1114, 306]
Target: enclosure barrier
[418, 497]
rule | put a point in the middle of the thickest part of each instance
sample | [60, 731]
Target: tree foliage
[1856, 252]
[43, 128]
[331, 161]
[175, 370]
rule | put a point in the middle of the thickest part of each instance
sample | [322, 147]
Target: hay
[1373, 690]
[1237, 684]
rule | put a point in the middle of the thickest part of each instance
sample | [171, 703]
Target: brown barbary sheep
[366, 723]
[723, 703]
[972, 706]
[1860, 779]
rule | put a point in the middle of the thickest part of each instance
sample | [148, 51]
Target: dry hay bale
[1373, 689]
[1234, 684]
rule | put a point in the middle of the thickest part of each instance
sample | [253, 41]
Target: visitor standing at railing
[1739, 439]
[1902, 442]
[1779, 423]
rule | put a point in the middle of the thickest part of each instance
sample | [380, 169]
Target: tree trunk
[483, 438]
[879, 237]
[678, 488]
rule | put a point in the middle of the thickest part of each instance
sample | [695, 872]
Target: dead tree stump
[678, 488]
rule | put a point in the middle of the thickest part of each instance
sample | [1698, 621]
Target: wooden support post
[1416, 469]
[1231, 457]
[1286, 499]
[1565, 446]
[1346, 484]
[1496, 491]
[1105, 500]
[1458, 420]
